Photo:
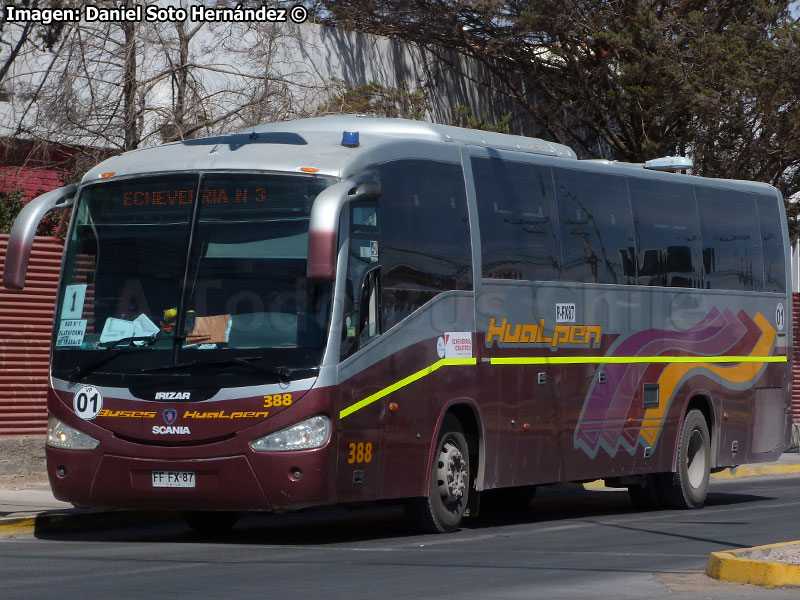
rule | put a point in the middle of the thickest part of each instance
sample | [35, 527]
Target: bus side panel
[408, 431]
[618, 404]
[533, 423]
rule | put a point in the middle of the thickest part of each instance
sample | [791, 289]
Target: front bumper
[256, 481]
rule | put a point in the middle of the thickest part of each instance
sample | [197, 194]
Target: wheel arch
[468, 413]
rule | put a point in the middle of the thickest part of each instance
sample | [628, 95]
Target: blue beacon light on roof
[350, 139]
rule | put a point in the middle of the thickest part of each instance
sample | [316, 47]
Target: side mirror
[324, 225]
[24, 231]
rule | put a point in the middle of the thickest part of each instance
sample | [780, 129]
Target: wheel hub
[696, 459]
[451, 473]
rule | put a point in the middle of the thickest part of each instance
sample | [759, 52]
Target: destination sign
[177, 197]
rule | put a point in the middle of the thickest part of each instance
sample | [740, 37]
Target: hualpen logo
[534, 333]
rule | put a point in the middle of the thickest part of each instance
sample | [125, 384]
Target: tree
[13, 201]
[465, 118]
[628, 79]
[376, 99]
[126, 84]
[10, 205]
[16, 39]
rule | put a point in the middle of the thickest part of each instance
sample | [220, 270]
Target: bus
[346, 309]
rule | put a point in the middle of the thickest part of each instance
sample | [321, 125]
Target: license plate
[173, 479]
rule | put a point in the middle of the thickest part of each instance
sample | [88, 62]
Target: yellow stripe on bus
[554, 360]
[609, 360]
[445, 362]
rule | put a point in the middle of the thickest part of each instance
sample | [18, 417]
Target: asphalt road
[582, 545]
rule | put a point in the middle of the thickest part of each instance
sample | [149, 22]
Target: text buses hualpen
[347, 309]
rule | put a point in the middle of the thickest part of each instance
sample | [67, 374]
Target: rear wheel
[211, 521]
[687, 487]
[448, 493]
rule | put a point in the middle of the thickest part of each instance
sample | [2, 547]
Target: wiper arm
[130, 340]
[79, 372]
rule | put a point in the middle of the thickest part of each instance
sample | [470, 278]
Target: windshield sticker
[71, 333]
[74, 296]
[88, 402]
[370, 252]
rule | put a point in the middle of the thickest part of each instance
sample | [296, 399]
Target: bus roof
[290, 146]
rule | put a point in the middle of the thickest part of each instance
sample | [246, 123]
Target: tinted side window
[731, 239]
[363, 254]
[516, 206]
[596, 227]
[668, 234]
[425, 246]
[769, 218]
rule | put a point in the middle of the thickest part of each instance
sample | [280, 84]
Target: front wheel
[687, 487]
[442, 510]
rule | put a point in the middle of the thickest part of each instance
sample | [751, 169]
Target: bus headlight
[61, 435]
[311, 433]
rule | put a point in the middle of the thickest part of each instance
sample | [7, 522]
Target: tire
[210, 521]
[687, 487]
[450, 479]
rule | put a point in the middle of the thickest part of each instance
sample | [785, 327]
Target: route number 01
[88, 402]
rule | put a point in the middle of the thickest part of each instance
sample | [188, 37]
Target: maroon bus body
[526, 437]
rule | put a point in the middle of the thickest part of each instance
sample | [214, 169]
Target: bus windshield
[155, 282]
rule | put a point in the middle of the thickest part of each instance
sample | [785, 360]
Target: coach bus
[349, 309]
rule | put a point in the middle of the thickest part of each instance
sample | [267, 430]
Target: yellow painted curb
[752, 471]
[735, 473]
[598, 484]
[17, 526]
[728, 566]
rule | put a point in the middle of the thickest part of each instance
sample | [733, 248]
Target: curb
[71, 522]
[727, 565]
[17, 526]
[754, 471]
[734, 473]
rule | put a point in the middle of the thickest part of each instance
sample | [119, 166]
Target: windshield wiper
[284, 374]
[79, 372]
[130, 340]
